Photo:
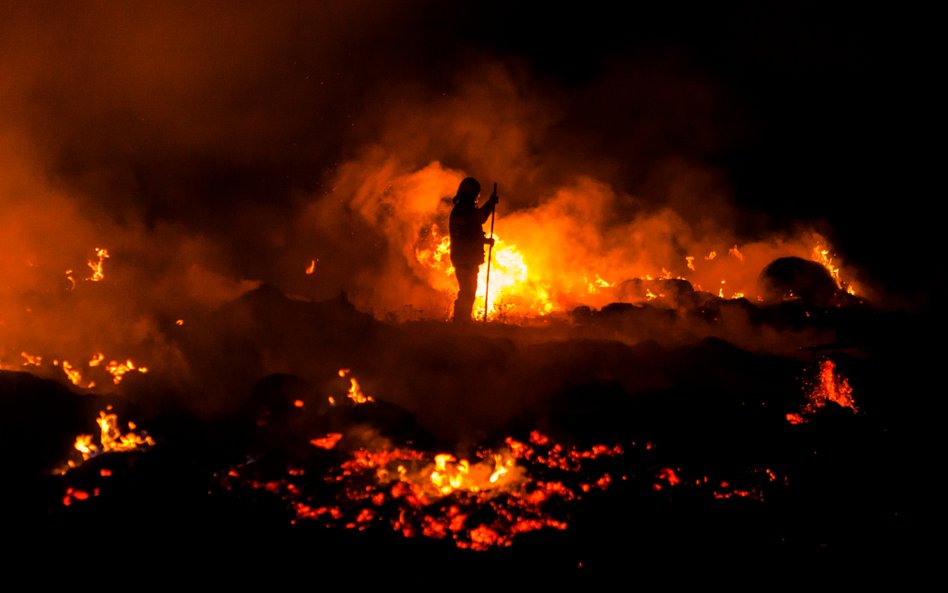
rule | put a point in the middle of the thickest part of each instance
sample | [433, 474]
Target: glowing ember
[311, 268]
[77, 494]
[327, 442]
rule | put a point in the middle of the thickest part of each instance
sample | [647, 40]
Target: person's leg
[467, 287]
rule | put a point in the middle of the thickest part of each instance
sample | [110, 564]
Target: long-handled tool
[490, 250]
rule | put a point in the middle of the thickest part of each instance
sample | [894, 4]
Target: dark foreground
[713, 481]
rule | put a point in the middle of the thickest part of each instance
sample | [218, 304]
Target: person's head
[469, 189]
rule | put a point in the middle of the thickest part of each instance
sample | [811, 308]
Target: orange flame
[111, 439]
[30, 359]
[97, 264]
[828, 387]
[355, 390]
[831, 388]
[73, 374]
[823, 255]
[118, 370]
[311, 268]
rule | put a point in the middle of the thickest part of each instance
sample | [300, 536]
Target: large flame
[526, 283]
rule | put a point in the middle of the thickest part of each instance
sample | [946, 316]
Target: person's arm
[486, 210]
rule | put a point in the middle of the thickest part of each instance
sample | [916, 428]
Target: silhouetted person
[468, 241]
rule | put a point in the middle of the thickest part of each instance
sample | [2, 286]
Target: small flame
[311, 268]
[822, 255]
[438, 256]
[690, 261]
[593, 286]
[118, 370]
[31, 359]
[355, 390]
[735, 252]
[829, 387]
[97, 264]
[74, 375]
[111, 439]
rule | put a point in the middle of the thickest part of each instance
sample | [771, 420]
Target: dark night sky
[198, 114]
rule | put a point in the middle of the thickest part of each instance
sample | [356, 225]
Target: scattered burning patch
[353, 479]
[477, 504]
[112, 439]
[828, 387]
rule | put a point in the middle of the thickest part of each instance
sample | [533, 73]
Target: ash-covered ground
[720, 457]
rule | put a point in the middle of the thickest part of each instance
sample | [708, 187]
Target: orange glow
[311, 268]
[669, 475]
